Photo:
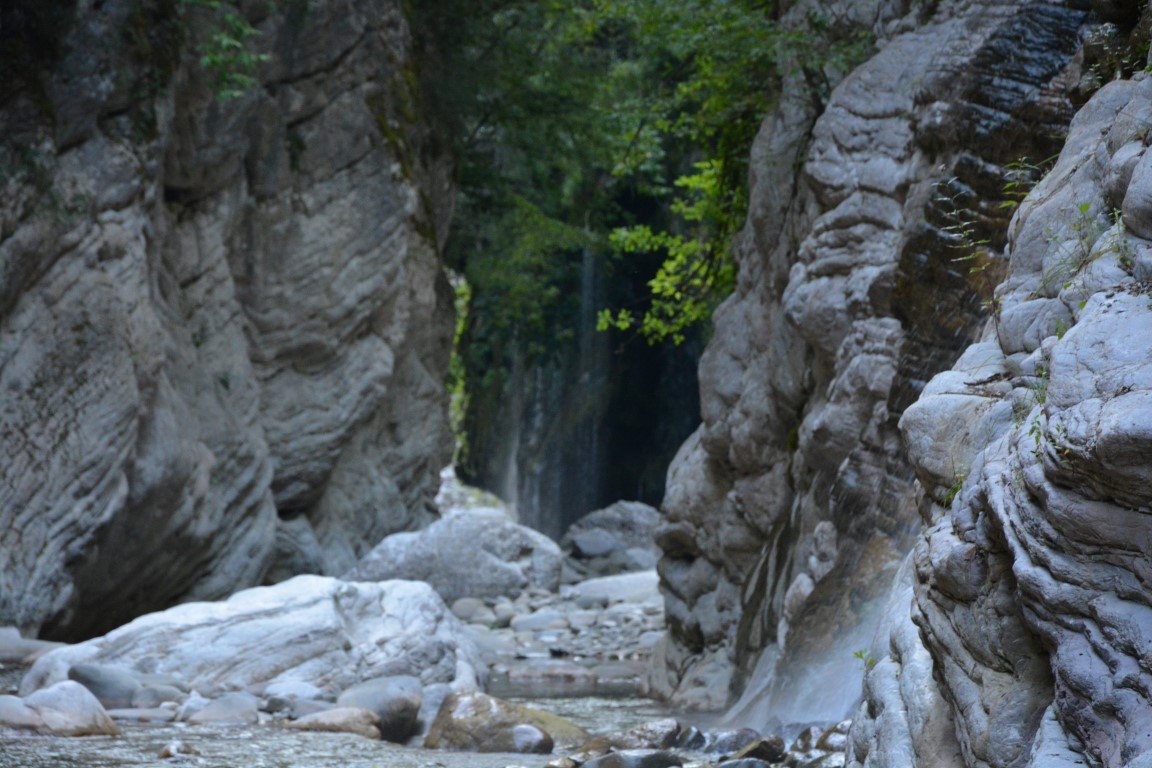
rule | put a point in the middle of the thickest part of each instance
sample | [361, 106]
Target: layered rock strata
[1032, 577]
[224, 326]
[870, 250]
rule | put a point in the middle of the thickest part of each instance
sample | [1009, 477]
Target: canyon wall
[1030, 583]
[878, 208]
[890, 239]
[223, 324]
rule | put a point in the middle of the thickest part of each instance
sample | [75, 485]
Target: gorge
[914, 514]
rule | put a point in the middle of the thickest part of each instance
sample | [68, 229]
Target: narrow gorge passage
[590, 384]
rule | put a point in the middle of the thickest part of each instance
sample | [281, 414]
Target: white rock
[626, 587]
[70, 709]
[471, 553]
[311, 629]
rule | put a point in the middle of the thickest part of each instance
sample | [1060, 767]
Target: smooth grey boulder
[358, 720]
[151, 696]
[468, 553]
[311, 629]
[395, 701]
[236, 707]
[69, 709]
[115, 687]
[17, 649]
[478, 722]
[17, 715]
[616, 539]
[636, 758]
[639, 587]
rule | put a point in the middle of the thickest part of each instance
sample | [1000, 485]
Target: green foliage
[226, 51]
[457, 378]
[617, 126]
[865, 656]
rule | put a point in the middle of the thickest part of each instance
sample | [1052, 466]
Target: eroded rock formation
[789, 510]
[224, 326]
[1032, 580]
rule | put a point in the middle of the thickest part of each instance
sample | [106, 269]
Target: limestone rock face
[789, 511]
[218, 317]
[1031, 590]
[310, 629]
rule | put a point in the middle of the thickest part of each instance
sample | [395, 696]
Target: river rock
[17, 649]
[15, 714]
[313, 629]
[144, 714]
[358, 720]
[395, 701]
[69, 709]
[616, 539]
[115, 687]
[469, 553]
[770, 750]
[481, 723]
[293, 689]
[155, 695]
[636, 758]
[236, 707]
[731, 741]
[626, 587]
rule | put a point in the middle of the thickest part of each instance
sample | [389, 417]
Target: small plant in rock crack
[1073, 254]
[1020, 176]
[963, 231]
[1039, 391]
[1125, 253]
[954, 490]
[866, 657]
[226, 52]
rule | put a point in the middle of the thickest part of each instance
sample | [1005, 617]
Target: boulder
[144, 714]
[478, 722]
[769, 750]
[636, 758]
[311, 629]
[17, 649]
[115, 687]
[395, 701]
[617, 539]
[358, 720]
[235, 707]
[728, 742]
[69, 709]
[155, 695]
[469, 553]
[17, 715]
[626, 587]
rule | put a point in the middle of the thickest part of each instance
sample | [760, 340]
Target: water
[271, 746]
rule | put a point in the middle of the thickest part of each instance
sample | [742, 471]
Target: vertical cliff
[878, 207]
[223, 325]
[1030, 585]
